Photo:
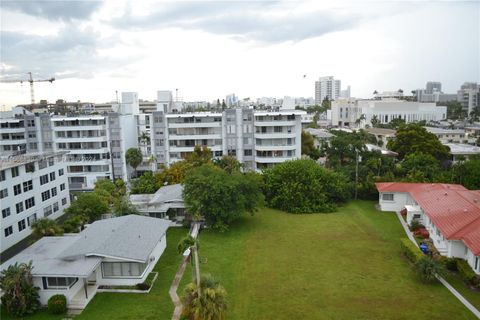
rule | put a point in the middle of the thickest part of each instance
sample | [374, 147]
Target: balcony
[273, 159]
[275, 135]
[195, 136]
[278, 147]
[212, 124]
[270, 123]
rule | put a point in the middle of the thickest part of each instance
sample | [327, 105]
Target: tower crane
[31, 81]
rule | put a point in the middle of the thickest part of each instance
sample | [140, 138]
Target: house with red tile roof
[450, 212]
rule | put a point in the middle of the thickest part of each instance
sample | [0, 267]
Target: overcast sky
[208, 49]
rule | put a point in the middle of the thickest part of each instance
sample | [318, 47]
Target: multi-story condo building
[433, 93]
[359, 113]
[327, 87]
[449, 135]
[469, 96]
[32, 186]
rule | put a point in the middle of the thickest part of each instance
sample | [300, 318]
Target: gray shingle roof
[170, 193]
[131, 237]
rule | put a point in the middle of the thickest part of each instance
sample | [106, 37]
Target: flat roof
[446, 131]
[462, 148]
[18, 160]
[381, 131]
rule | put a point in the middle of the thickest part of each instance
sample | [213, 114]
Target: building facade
[469, 96]
[33, 186]
[327, 87]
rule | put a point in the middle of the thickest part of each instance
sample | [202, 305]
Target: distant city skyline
[210, 49]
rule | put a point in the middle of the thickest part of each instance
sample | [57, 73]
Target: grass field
[345, 265]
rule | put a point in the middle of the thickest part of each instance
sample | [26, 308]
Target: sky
[208, 49]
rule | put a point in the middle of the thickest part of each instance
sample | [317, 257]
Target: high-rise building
[433, 86]
[231, 100]
[469, 96]
[327, 87]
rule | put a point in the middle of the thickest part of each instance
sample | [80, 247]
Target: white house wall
[398, 203]
[45, 294]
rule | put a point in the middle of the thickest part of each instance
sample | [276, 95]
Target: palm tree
[46, 227]
[428, 268]
[211, 304]
[144, 138]
[134, 157]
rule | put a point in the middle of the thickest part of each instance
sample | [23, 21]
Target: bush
[422, 233]
[467, 274]
[415, 225]
[428, 268]
[57, 304]
[450, 263]
[143, 286]
[411, 251]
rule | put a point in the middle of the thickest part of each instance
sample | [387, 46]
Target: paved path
[178, 277]
[457, 295]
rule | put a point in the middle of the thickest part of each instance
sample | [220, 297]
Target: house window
[19, 207]
[387, 196]
[55, 207]
[15, 172]
[3, 193]
[123, 269]
[62, 187]
[30, 167]
[247, 152]
[64, 201]
[5, 212]
[477, 263]
[8, 231]
[52, 176]
[43, 179]
[54, 191]
[2, 175]
[21, 225]
[45, 195]
[30, 202]
[27, 185]
[58, 283]
[42, 164]
[51, 161]
[60, 172]
[47, 211]
[416, 216]
[17, 189]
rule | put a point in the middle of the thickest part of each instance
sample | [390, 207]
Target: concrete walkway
[178, 277]
[457, 295]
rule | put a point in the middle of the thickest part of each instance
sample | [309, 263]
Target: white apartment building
[33, 186]
[469, 96]
[327, 87]
[359, 113]
[449, 135]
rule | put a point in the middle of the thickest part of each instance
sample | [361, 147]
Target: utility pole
[197, 269]
[356, 173]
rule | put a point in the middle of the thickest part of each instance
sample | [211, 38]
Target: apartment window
[58, 283]
[3, 193]
[5, 212]
[15, 172]
[31, 219]
[52, 176]
[8, 231]
[2, 175]
[247, 152]
[27, 185]
[43, 179]
[45, 195]
[54, 191]
[47, 145]
[51, 161]
[387, 196]
[42, 164]
[17, 189]
[30, 167]
[60, 172]
[19, 207]
[123, 269]
[64, 201]
[30, 202]
[21, 225]
[47, 211]
[62, 187]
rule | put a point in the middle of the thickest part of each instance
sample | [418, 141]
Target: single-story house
[116, 251]
[450, 212]
[166, 203]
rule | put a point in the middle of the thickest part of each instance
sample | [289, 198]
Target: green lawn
[344, 265]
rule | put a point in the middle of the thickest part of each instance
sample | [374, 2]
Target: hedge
[411, 251]
[57, 304]
[467, 273]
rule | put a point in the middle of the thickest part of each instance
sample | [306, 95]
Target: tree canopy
[89, 205]
[134, 158]
[212, 304]
[413, 138]
[221, 197]
[308, 146]
[303, 186]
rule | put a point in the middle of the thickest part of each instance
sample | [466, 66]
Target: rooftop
[461, 148]
[435, 130]
[18, 160]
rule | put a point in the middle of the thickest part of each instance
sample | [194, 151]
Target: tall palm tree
[211, 304]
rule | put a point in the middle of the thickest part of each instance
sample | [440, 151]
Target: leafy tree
[144, 138]
[45, 227]
[124, 207]
[303, 186]
[467, 173]
[413, 138]
[221, 197]
[199, 156]
[146, 183]
[374, 121]
[110, 191]
[428, 268]
[75, 224]
[186, 243]
[211, 305]
[308, 146]
[455, 110]
[228, 163]
[20, 296]
[89, 205]
[134, 158]
[420, 167]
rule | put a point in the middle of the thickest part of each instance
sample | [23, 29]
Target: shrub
[143, 286]
[57, 304]
[411, 251]
[427, 268]
[415, 225]
[450, 263]
[467, 274]
[422, 233]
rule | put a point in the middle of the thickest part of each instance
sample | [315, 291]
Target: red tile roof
[454, 210]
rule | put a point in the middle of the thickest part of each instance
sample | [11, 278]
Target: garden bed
[143, 287]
